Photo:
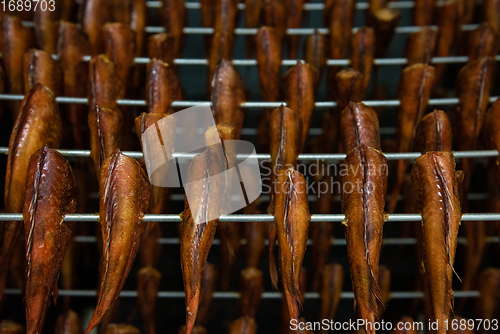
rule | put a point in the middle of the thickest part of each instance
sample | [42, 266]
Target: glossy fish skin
[228, 92]
[123, 201]
[251, 291]
[274, 15]
[208, 285]
[244, 325]
[174, 17]
[50, 195]
[121, 329]
[17, 39]
[404, 320]
[420, 45]
[483, 42]
[367, 174]
[315, 52]
[299, 82]
[414, 90]
[359, 126]
[105, 134]
[253, 13]
[148, 284]
[331, 288]
[68, 323]
[291, 214]
[105, 85]
[159, 47]
[10, 327]
[222, 47]
[268, 54]
[38, 124]
[433, 133]
[92, 17]
[119, 43]
[46, 27]
[72, 46]
[435, 188]
[134, 14]
[488, 284]
[39, 67]
[294, 13]
[447, 34]
[162, 87]
[197, 237]
[363, 52]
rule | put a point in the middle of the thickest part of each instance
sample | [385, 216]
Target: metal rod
[261, 218]
[259, 105]
[236, 295]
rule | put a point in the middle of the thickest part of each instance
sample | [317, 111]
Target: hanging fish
[148, 284]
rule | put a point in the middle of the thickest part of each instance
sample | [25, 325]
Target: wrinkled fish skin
[123, 201]
[50, 195]
[243, 325]
[268, 54]
[251, 291]
[38, 124]
[228, 92]
[414, 90]
[39, 67]
[433, 133]
[105, 134]
[119, 43]
[367, 176]
[198, 234]
[332, 280]
[435, 188]
[359, 126]
[162, 87]
[363, 52]
[105, 85]
[420, 45]
[68, 323]
[148, 284]
[298, 83]
[92, 17]
[291, 214]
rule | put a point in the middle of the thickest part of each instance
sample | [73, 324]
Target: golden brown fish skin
[488, 284]
[294, 12]
[17, 39]
[46, 27]
[208, 284]
[473, 91]
[291, 214]
[222, 46]
[243, 325]
[403, 321]
[420, 45]
[39, 67]
[10, 327]
[435, 188]
[121, 329]
[251, 291]
[315, 52]
[197, 237]
[367, 175]
[68, 323]
[50, 195]
[226, 15]
[274, 15]
[119, 43]
[483, 42]
[105, 85]
[359, 126]
[207, 13]
[331, 288]
[414, 90]
[150, 251]
[148, 285]
[159, 47]
[298, 83]
[363, 52]
[490, 10]
[253, 12]
[162, 87]
[105, 134]
[174, 17]
[340, 17]
[433, 133]
[384, 22]
[92, 17]
[71, 48]
[348, 88]
[38, 124]
[123, 201]
[134, 14]
[423, 12]
[228, 92]
[447, 34]
[321, 236]
[268, 54]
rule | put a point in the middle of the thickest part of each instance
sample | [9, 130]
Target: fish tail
[393, 199]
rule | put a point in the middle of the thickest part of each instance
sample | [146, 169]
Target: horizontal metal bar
[236, 295]
[259, 105]
[261, 218]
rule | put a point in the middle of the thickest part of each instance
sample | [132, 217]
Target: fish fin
[376, 293]
[272, 262]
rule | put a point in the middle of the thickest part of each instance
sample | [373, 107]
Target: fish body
[420, 45]
[331, 289]
[268, 54]
[174, 17]
[294, 14]
[222, 47]
[121, 329]
[359, 126]
[226, 16]
[92, 17]
[105, 85]
[244, 325]
[68, 323]
[159, 48]
[251, 286]
[433, 133]
[423, 12]
[39, 67]
[119, 43]
[363, 52]
[274, 15]
[208, 285]
[483, 42]
[162, 87]
[148, 284]
[50, 195]
[253, 13]
[46, 27]
[384, 22]
[315, 52]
